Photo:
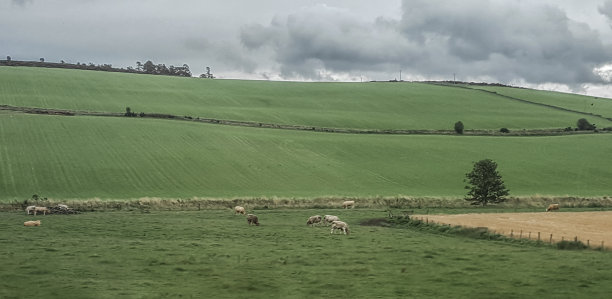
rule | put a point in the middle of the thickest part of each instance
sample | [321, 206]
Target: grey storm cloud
[504, 40]
[606, 9]
[21, 2]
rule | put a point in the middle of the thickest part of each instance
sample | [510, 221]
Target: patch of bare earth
[589, 227]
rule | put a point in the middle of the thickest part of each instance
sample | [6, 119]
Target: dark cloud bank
[486, 40]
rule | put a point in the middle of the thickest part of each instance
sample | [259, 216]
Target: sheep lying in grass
[348, 203]
[312, 220]
[62, 207]
[339, 225]
[30, 209]
[32, 223]
[329, 219]
[41, 209]
[252, 219]
[239, 210]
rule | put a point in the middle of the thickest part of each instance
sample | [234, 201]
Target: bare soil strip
[591, 227]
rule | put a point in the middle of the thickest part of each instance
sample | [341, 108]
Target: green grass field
[122, 158]
[340, 105]
[153, 253]
[214, 253]
[575, 102]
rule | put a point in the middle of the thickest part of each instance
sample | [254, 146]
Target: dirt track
[592, 226]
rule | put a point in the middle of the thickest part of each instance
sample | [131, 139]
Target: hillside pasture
[575, 102]
[188, 254]
[120, 158]
[338, 105]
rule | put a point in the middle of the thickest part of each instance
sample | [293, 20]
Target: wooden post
[521, 235]
[588, 243]
[576, 239]
[538, 236]
[511, 233]
[550, 241]
[529, 235]
[562, 238]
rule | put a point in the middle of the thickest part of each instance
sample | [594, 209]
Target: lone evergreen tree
[486, 184]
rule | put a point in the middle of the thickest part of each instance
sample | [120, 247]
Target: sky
[562, 45]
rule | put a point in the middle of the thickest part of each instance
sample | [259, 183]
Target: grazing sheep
[32, 223]
[339, 225]
[252, 219]
[552, 207]
[348, 203]
[312, 220]
[30, 209]
[41, 209]
[329, 219]
[62, 207]
[239, 210]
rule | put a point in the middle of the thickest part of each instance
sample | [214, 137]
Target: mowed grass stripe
[340, 105]
[85, 157]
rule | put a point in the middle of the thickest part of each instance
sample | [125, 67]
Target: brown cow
[552, 207]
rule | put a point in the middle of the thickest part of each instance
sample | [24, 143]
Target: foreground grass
[190, 254]
[120, 158]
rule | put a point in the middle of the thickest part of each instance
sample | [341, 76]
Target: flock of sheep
[336, 224]
[35, 210]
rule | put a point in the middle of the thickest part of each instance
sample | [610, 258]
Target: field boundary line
[496, 133]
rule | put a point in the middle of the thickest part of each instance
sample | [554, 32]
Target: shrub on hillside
[459, 127]
[504, 130]
[584, 125]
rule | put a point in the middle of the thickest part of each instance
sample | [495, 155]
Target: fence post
[521, 235]
[576, 239]
[511, 233]
[588, 243]
[562, 238]
[529, 235]
[538, 236]
[550, 241]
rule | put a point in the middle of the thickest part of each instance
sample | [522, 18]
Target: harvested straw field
[589, 227]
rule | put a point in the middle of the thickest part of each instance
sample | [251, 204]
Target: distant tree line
[161, 69]
[141, 68]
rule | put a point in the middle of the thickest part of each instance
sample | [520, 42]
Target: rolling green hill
[106, 157]
[339, 105]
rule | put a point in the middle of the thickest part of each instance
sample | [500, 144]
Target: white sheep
[29, 209]
[239, 210]
[348, 203]
[41, 209]
[329, 219]
[312, 220]
[339, 225]
[32, 223]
